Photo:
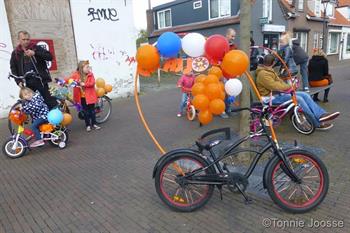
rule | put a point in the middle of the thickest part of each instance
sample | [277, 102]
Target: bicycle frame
[220, 179]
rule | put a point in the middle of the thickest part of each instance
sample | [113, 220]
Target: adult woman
[318, 73]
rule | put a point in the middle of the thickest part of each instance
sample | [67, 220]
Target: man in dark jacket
[301, 58]
[30, 57]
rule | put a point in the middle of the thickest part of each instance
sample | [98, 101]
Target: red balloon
[216, 47]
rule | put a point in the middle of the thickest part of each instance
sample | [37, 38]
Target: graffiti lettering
[4, 54]
[100, 14]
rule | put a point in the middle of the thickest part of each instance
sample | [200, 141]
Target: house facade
[214, 17]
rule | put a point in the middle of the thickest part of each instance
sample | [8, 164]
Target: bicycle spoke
[292, 194]
[308, 188]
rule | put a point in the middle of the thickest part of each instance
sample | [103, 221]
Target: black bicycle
[296, 180]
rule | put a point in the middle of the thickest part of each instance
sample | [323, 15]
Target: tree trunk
[245, 26]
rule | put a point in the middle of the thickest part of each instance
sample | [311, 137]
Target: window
[317, 42]
[300, 5]
[164, 18]
[349, 13]
[267, 9]
[333, 42]
[348, 44]
[330, 10]
[302, 36]
[219, 8]
[318, 8]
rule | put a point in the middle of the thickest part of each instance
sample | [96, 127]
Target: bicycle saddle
[207, 146]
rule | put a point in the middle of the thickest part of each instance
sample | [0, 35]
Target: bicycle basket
[17, 117]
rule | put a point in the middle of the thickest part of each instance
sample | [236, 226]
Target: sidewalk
[102, 181]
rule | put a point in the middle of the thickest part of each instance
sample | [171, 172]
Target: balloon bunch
[102, 88]
[209, 95]
[208, 91]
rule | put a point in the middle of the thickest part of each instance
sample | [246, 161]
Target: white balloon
[233, 87]
[193, 44]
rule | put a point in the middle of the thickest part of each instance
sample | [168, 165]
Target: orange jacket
[89, 88]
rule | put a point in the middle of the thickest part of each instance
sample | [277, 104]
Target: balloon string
[160, 148]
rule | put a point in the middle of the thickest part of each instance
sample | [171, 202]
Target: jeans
[89, 113]
[304, 74]
[306, 103]
[183, 102]
[35, 127]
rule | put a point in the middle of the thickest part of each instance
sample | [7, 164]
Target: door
[271, 41]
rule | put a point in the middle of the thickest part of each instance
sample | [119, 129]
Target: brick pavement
[102, 181]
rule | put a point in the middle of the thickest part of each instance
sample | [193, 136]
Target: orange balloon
[211, 79]
[67, 119]
[198, 88]
[200, 102]
[205, 117]
[235, 63]
[215, 70]
[222, 95]
[100, 83]
[108, 88]
[217, 106]
[200, 78]
[213, 91]
[100, 92]
[147, 57]
[46, 128]
[222, 85]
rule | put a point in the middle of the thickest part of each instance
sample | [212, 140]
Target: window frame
[318, 2]
[269, 11]
[329, 42]
[158, 17]
[219, 7]
[302, 5]
[297, 33]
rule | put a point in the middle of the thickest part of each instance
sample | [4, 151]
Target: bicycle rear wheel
[294, 197]
[184, 198]
[103, 109]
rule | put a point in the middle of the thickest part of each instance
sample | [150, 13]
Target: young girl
[85, 94]
[185, 83]
[34, 106]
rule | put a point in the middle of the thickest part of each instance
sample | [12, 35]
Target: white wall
[8, 89]
[106, 40]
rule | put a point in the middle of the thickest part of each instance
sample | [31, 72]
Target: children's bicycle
[103, 107]
[190, 110]
[18, 144]
[296, 179]
[300, 120]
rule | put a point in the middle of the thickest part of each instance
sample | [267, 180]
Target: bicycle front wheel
[184, 197]
[103, 109]
[294, 197]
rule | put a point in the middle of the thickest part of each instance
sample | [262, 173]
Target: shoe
[325, 100]
[96, 127]
[316, 99]
[88, 128]
[37, 143]
[329, 116]
[179, 114]
[307, 90]
[325, 126]
[224, 115]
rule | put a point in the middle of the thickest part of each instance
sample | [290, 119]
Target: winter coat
[318, 68]
[88, 89]
[36, 107]
[39, 59]
[299, 55]
[267, 81]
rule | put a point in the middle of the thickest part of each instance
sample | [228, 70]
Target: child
[34, 106]
[85, 94]
[185, 83]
